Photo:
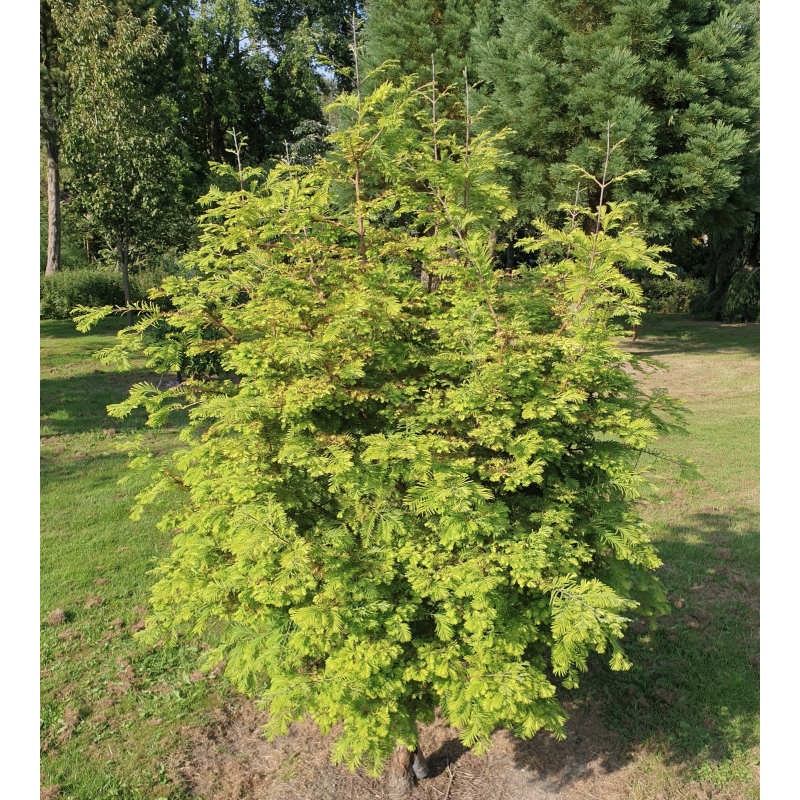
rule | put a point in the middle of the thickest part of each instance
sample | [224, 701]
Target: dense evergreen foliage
[406, 36]
[679, 82]
[412, 485]
[678, 79]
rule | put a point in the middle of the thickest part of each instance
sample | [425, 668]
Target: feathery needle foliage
[412, 484]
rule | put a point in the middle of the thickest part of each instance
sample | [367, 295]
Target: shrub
[66, 289]
[678, 295]
[417, 491]
[99, 286]
[741, 302]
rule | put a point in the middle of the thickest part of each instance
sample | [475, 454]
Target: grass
[692, 699]
[113, 711]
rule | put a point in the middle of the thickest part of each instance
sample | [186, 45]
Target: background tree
[402, 494]
[677, 78]
[218, 65]
[230, 74]
[679, 82]
[329, 22]
[406, 36]
[259, 69]
[52, 94]
[119, 136]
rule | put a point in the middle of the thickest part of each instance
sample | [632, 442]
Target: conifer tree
[408, 35]
[679, 81]
[413, 485]
[677, 78]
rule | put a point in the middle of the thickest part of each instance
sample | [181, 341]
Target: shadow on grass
[669, 334]
[78, 404]
[65, 328]
[693, 692]
[98, 471]
[695, 686]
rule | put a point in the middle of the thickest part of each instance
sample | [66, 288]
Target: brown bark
[405, 768]
[400, 778]
[362, 239]
[53, 92]
[510, 253]
[53, 263]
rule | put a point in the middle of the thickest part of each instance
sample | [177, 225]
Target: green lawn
[692, 698]
[112, 710]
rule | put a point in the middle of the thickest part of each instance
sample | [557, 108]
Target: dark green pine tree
[677, 79]
[411, 33]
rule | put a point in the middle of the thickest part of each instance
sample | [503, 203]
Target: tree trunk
[510, 253]
[404, 767]
[400, 780]
[122, 252]
[53, 209]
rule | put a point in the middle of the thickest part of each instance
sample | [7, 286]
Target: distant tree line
[138, 97]
[677, 79]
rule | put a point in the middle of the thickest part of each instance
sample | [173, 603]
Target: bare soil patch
[228, 759]
[71, 720]
[56, 617]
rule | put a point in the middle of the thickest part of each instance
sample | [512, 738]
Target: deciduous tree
[413, 485]
[119, 137]
[52, 94]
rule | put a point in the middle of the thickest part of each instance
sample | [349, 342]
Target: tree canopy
[120, 136]
[177, 85]
[412, 486]
[678, 79]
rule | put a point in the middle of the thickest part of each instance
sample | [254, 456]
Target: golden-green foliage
[412, 486]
